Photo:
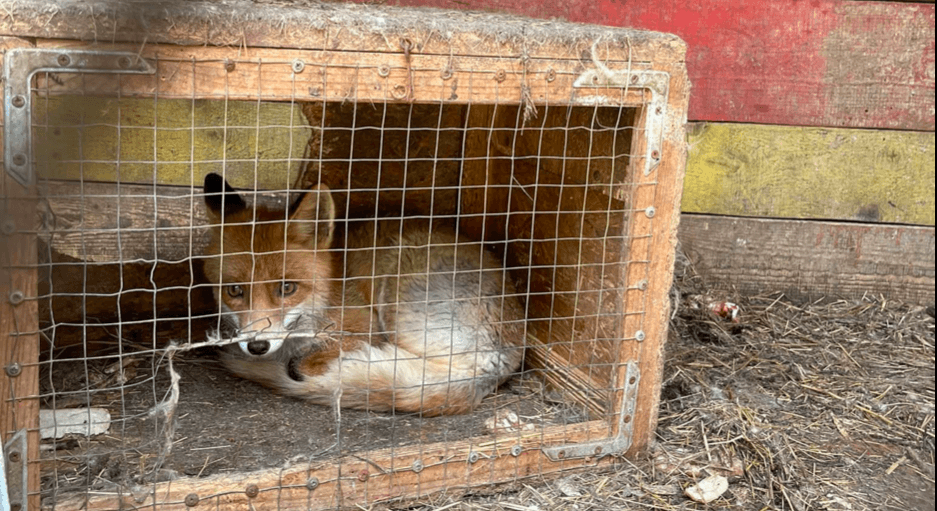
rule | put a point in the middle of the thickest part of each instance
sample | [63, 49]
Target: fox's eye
[234, 291]
[287, 288]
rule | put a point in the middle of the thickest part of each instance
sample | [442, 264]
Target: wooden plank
[19, 322]
[799, 172]
[820, 63]
[363, 479]
[811, 259]
[357, 77]
[336, 27]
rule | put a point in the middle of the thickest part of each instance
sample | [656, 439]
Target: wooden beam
[19, 322]
[803, 172]
[811, 259]
[363, 479]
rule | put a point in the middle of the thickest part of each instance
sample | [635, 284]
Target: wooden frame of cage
[415, 63]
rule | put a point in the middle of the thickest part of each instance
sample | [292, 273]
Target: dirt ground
[826, 405]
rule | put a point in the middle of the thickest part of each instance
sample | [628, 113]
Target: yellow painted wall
[799, 172]
[170, 141]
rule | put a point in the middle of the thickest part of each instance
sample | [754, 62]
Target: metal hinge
[655, 82]
[13, 473]
[614, 445]
[19, 67]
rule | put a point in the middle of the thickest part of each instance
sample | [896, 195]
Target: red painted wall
[818, 62]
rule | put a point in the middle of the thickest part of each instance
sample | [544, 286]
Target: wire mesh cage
[449, 235]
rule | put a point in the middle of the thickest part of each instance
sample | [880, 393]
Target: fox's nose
[258, 347]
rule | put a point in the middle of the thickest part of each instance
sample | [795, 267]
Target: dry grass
[817, 406]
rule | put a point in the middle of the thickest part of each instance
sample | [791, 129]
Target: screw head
[17, 297]
[500, 76]
[251, 491]
[312, 483]
[561, 454]
[229, 65]
[446, 73]
[363, 475]
[63, 60]
[19, 101]
[8, 227]
[473, 457]
[191, 500]
[13, 369]
[417, 466]
[15, 456]
[639, 335]
[124, 62]
[298, 65]
[383, 70]
[626, 419]
[516, 451]
[19, 159]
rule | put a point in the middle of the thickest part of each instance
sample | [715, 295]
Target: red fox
[383, 315]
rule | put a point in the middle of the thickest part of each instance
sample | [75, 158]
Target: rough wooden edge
[19, 322]
[243, 23]
[811, 259]
[360, 480]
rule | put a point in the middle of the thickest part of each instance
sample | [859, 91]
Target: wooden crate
[560, 146]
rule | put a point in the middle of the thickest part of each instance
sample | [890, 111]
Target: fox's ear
[220, 198]
[313, 218]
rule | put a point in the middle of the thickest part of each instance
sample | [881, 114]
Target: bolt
[15, 457]
[13, 369]
[63, 60]
[19, 101]
[17, 297]
[251, 491]
[363, 475]
[19, 159]
[191, 500]
[312, 483]
[298, 65]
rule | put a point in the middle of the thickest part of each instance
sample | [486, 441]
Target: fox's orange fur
[407, 315]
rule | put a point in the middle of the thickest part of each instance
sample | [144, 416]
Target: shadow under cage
[543, 164]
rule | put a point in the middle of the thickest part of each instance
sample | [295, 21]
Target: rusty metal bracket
[13, 473]
[617, 444]
[19, 67]
[655, 82]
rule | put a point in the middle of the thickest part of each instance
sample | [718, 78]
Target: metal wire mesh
[543, 188]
